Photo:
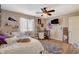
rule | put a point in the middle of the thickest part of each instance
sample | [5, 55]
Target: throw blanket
[33, 47]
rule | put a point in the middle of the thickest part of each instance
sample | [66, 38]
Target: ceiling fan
[45, 12]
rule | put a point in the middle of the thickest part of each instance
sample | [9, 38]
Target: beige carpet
[53, 46]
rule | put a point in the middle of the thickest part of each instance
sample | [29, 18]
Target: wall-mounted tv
[55, 21]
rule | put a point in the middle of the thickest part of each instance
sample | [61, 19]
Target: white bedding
[33, 47]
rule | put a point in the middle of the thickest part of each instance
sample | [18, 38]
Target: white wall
[74, 29]
[4, 19]
[56, 32]
[57, 29]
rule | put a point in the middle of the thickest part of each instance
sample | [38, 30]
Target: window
[31, 25]
[26, 24]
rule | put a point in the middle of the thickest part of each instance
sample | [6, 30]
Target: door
[65, 35]
[74, 29]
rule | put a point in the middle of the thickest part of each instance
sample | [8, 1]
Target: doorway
[74, 29]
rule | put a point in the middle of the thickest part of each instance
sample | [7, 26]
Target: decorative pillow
[2, 39]
[23, 40]
[3, 42]
[11, 40]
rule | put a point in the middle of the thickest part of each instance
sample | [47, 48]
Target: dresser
[41, 35]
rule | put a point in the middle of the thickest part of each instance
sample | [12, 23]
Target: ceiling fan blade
[51, 11]
[44, 7]
[49, 14]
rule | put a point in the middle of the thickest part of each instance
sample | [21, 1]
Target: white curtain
[26, 25]
[30, 25]
[23, 24]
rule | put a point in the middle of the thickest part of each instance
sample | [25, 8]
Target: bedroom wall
[5, 14]
[57, 30]
[42, 25]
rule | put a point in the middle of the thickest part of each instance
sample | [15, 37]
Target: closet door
[65, 35]
[74, 29]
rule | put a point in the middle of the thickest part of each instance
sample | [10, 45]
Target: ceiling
[31, 9]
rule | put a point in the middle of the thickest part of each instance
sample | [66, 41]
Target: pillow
[11, 40]
[23, 40]
[2, 39]
[3, 42]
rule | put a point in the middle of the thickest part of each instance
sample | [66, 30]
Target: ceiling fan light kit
[46, 12]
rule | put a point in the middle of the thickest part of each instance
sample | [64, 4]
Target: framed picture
[39, 21]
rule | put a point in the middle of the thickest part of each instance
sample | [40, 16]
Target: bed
[32, 47]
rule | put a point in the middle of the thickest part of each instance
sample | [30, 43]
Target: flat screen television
[55, 21]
